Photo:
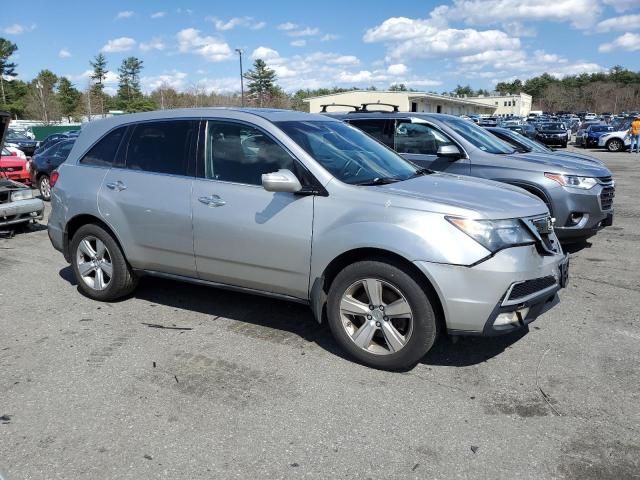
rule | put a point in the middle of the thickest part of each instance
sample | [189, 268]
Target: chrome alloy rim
[45, 187]
[94, 263]
[376, 316]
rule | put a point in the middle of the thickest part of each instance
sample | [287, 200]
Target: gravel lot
[256, 389]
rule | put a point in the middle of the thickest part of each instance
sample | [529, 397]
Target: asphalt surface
[256, 389]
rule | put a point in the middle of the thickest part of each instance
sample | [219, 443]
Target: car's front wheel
[44, 185]
[615, 145]
[381, 316]
[99, 265]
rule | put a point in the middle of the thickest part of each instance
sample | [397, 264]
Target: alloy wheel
[376, 316]
[94, 263]
[45, 187]
[615, 145]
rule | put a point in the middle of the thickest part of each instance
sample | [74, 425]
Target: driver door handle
[212, 201]
[118, 186]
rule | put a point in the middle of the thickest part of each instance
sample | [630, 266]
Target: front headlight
[574, 181]
[25, 194]
[494, 235]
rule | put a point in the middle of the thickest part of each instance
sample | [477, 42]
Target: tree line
[49, 97]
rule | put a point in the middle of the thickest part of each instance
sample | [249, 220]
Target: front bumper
[473, 297]
[21, 211]
[553, 140]
[595, 205]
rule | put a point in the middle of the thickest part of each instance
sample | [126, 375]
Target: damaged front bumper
[12, 213]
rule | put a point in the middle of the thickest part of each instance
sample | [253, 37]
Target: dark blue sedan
[43, 163]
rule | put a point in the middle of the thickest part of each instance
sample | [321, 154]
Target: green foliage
[261, 81]
[68, 97]
[461, 91]
[7, 68]
[129, 92]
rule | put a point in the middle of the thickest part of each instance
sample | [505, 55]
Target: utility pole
[44, 107]
[241, 78]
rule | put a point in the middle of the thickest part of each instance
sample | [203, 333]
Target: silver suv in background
[579, 193]
[306, 208]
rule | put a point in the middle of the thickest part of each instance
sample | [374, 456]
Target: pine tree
[261, 81]
[129, 85]
[68, 97]
[99, 74]
[7, 68]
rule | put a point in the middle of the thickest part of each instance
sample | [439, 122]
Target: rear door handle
[212, 201]
[117, 186]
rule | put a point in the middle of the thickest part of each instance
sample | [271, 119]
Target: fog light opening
[575, 218]
[511, 318]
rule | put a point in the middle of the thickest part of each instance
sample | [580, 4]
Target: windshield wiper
[422, 171]
[523, 150]
[379, 181]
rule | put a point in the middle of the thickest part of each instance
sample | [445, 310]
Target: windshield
[347, 153]
[478, 136]
[601, 128]
[529, 144]
[553, 126]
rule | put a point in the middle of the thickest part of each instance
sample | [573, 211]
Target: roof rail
[364, 108]
[324, 107]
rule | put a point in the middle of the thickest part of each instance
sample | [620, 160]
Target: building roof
[409, 94]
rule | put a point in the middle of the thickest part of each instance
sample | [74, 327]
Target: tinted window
[418, 138]
[381, 130]
[477, 136]
[241, 154]
[102, 153]
[161, 147]
[65, 148]
[347, 153]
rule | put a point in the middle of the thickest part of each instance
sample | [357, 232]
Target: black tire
[425, 325]
[122, 282]
[44, 186]
[615, 145]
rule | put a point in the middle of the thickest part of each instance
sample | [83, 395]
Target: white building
[406, 102]
[518, 105]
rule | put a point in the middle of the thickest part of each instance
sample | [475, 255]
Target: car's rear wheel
[615, 145]
[381, 316]
[99, 265]
[44, 185]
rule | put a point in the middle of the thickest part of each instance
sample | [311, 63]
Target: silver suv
[310, 209]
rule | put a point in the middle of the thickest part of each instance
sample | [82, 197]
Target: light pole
[241, 78]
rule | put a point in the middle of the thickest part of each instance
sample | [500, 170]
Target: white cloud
[629, 42]
[174, 79]
[518, 29]
[425, 38]
[580, 13]
[305, 32]
[624, 23]
[298, 43]
[211, 48]
[64, 53]
[124, 14]
[344, 60]
[266, 54]
[397, 69]
[155, 43]
[121, 44]
[158, 14]
[621, 5]
[230, 24]
[18, 29]
[329, 36]
[287, 26]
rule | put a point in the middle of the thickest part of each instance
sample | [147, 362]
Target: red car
[14, 167]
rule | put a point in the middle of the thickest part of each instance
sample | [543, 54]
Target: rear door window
[418, 138]
[381, 130]
[162, 147]
[103, 153]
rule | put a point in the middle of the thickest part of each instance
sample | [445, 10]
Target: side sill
[223, 286]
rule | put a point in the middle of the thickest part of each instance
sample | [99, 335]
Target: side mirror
[281, 181]
[449, 151]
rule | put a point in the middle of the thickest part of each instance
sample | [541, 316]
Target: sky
[428, 45]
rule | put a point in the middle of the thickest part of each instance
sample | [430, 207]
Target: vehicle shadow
[11, 231]
[279, 320]
[576, 247]
[470, 350]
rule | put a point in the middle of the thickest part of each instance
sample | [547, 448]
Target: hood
[486, 198]
[556, 162]
[577, 156]
[552, 131]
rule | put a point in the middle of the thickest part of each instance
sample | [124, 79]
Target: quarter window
[419, 138]
[103, 153]
[162, 147]
[238, 153]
